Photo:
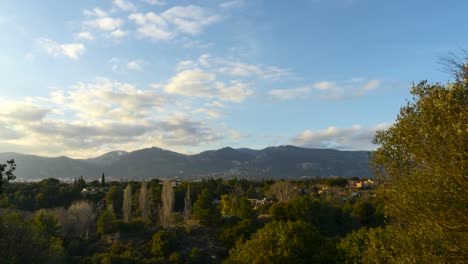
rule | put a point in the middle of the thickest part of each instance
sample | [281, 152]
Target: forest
[415, 210]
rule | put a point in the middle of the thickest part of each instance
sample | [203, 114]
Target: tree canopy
[422, 166]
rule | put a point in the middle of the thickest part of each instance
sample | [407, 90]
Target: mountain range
[273, 162]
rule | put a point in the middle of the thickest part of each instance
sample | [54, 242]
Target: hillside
[271, 162]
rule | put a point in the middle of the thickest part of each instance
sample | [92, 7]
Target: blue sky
[81, 78]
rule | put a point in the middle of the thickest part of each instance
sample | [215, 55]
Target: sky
[82, 78]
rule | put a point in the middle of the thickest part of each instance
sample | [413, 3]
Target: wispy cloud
[84, 35]
[124, 5]
[178, 20]
[355, 137]
[328, 90]
[200, 83]
[70, 50]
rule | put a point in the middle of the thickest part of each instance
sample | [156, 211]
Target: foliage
[422, 162]
[339, 181]
[163, 243]
[204, 210]
[127, 204]
[7, 174]
[114, 200]
[279, 242]
[106, 223]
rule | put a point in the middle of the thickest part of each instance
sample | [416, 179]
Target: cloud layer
[351, 138]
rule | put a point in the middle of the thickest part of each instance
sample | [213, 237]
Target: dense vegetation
[417, 214]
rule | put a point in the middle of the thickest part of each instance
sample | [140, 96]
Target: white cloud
[329, 90]
[236, 135]
[119, 33]
[355, 137]
[84, 35]
[324, 85]
[186, 64]
[241, 69]
[237, 92]
[178, 20]
[194, 82]
[70, 50]
[91, 118]
[124, 5]
[232, 4]
[199, 83]
[190, 19]
[95, 12]
[155, 2]
[21, 111]
[285, 94]
[122, 66]
[371, 85]
[105, 23]
[210, 113]
[135, 65]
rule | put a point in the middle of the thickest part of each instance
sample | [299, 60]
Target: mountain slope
[271, 162]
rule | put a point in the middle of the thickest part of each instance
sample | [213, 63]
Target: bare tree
[81, 217]
[283, 191]
[188, 204]
[167, 200]
[127, 204]
[144, 203]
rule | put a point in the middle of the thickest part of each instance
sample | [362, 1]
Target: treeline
[168, 222]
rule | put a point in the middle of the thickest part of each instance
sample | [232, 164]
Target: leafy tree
[365, 212]
[167, 200]
[127, 203]
[163, 243]
[280, 242]
[103, 180]
[339, 181]
[144, 203]
[422, 165]
[204, 210]
[106, 222]
[114, 200]
[81, 216]
[6, 173]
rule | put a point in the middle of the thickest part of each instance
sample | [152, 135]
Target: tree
[144, 203]
[283, 191]
[187, 204]
[204, 210]
[280, 242]
[422, 165]
[163, 243]
[103, 180]
[6, 173]
[167, 199]
[81, 215]
[127, 204]
[114, 200]
[106, 222]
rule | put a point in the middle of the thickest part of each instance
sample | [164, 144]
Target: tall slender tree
[145, 203]
[127, 204]
[188, 204]
[103, 180]
[167, 200]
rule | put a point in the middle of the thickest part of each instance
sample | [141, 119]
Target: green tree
[6, 173]
[106, 222]
[422, 165]
[103, 180]
[163, 243]
[114, 200]
[205, 210]
[280, 242]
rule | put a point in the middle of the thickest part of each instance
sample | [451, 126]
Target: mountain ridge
[284, 161]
